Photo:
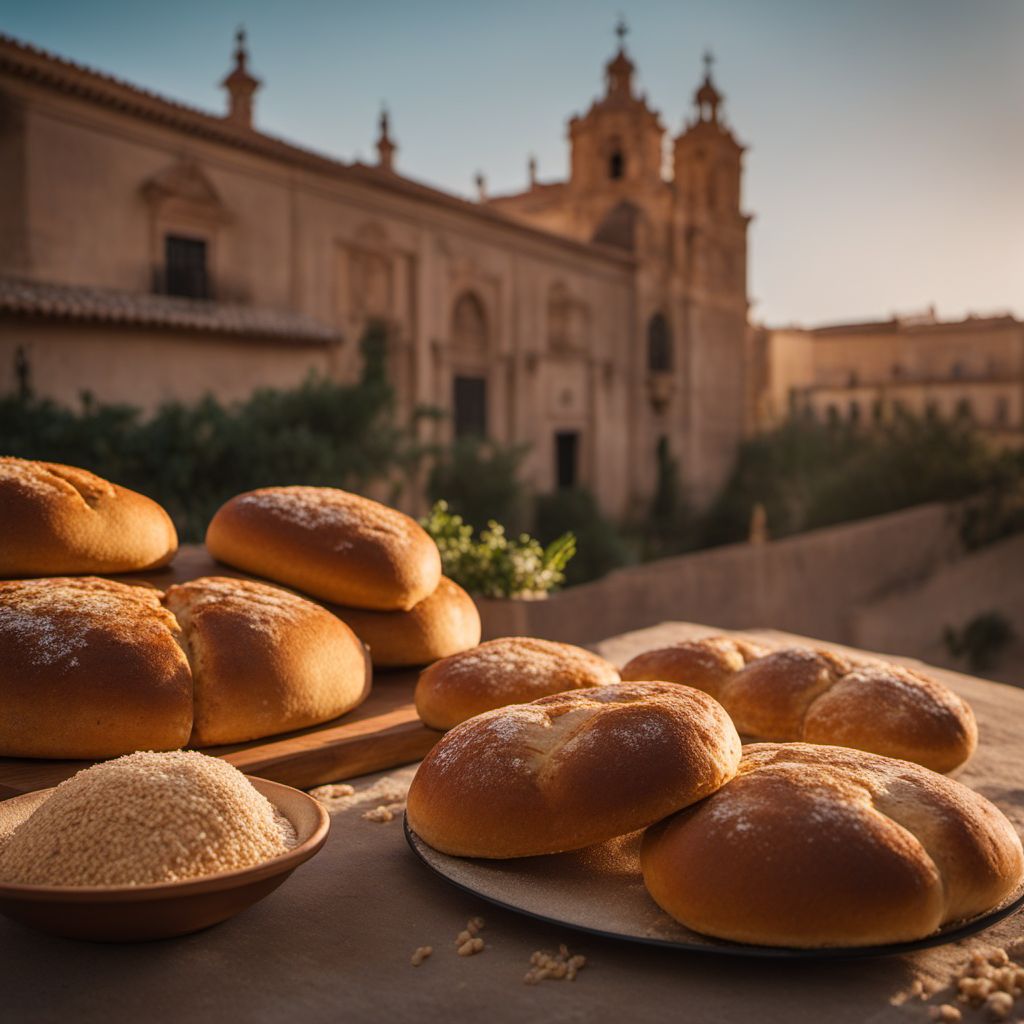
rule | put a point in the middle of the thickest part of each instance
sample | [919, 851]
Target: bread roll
[89, 668]
[444, 623]
[264, 660]
[510, 670]
[58, 520]
[797, 693]
[571, 769]
[825, 846]
[337, 546]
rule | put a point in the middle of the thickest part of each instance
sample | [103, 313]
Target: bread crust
[509, 670]
[571, 769]
[444, 623]
[90, 668]
[799, 693]
[58, 520]
[812, 846]
[337, 546]
[264, 660]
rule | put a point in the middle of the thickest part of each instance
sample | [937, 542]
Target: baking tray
[600, 891]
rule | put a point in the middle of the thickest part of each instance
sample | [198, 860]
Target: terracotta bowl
[137, 913]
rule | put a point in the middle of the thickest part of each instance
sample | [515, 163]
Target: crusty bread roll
[509, 670]
[264, 660]
[826, 846]
[58, 520]
[337, 546]
[571, 769]
[796, 693]
[89, 668]
[444, 623]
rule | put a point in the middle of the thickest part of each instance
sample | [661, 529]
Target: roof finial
[240, 84]
[481, 186]
[385, 144]
[709, 60]
[531, 170]
[621, 29]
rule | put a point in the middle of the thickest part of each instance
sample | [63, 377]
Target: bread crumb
[420, 954]
[946, 1013]
[999, 1005]
[383, 813]
[562, 966]
[471, 947]
[332, 791]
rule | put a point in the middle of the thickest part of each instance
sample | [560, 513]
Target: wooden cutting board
[383, 732]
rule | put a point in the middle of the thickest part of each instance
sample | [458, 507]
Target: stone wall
[811, 584]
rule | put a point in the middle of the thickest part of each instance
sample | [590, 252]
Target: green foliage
[981, 640]
[494, 565]
[809, 475]
[191, 457]
[600, 545]
[479, 480]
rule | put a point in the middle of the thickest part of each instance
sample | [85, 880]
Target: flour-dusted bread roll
[825, 846]
[264, 660]
[444, 623]
[89, 668]
[58, 520]
[510, 670]
[570, 770]
[337, 546]
[797, 693]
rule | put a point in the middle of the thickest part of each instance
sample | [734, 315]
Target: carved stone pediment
[184, 185]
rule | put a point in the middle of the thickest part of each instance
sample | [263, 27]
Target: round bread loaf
[264, 660]
[815, 846]
[444, 623]
[797, 693]
[510, 670]
[337, 546]
[89, 669]
[58, 520]
[571, 769]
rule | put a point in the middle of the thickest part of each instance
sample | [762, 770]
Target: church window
[469, 323]
[616, 165]
[567, 446]
[185, 267]
[469, 402]
[659, 345]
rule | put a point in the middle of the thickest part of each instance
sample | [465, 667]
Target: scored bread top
[335, 545]
[571, 769]
[57, 520]
[821, 845]
[509, 670]
[800, 693]
[90, 668]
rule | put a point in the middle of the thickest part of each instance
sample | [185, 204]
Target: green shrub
[479, 480]
[493, 564]
[600, 547]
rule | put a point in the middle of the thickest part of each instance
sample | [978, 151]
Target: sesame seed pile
[143, 819]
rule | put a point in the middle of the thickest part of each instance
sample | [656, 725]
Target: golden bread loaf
[337, 546]
[59, 521]
[798, 693]
[444, 623]
[812, 846]
[571, 769]
[264, 660]
[90, 668]
[509, 670]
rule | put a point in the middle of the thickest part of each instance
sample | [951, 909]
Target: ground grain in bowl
[143, 819]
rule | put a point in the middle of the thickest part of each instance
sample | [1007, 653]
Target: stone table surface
[334, 943]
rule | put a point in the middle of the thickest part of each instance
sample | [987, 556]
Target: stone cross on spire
[621, 30]
[386, 146]
[240, 85]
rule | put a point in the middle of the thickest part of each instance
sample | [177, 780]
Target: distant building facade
[863, 373]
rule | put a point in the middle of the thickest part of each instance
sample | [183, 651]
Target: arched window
[616, 165]
[659, 345]
[469, 322]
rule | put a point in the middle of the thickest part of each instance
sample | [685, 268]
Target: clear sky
[886, 161]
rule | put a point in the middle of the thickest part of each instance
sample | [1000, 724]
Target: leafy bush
[600, 545]
[479, 480]
[494, 565]
[809, 475]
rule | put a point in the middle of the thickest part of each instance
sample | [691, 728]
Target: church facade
[151, 251]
